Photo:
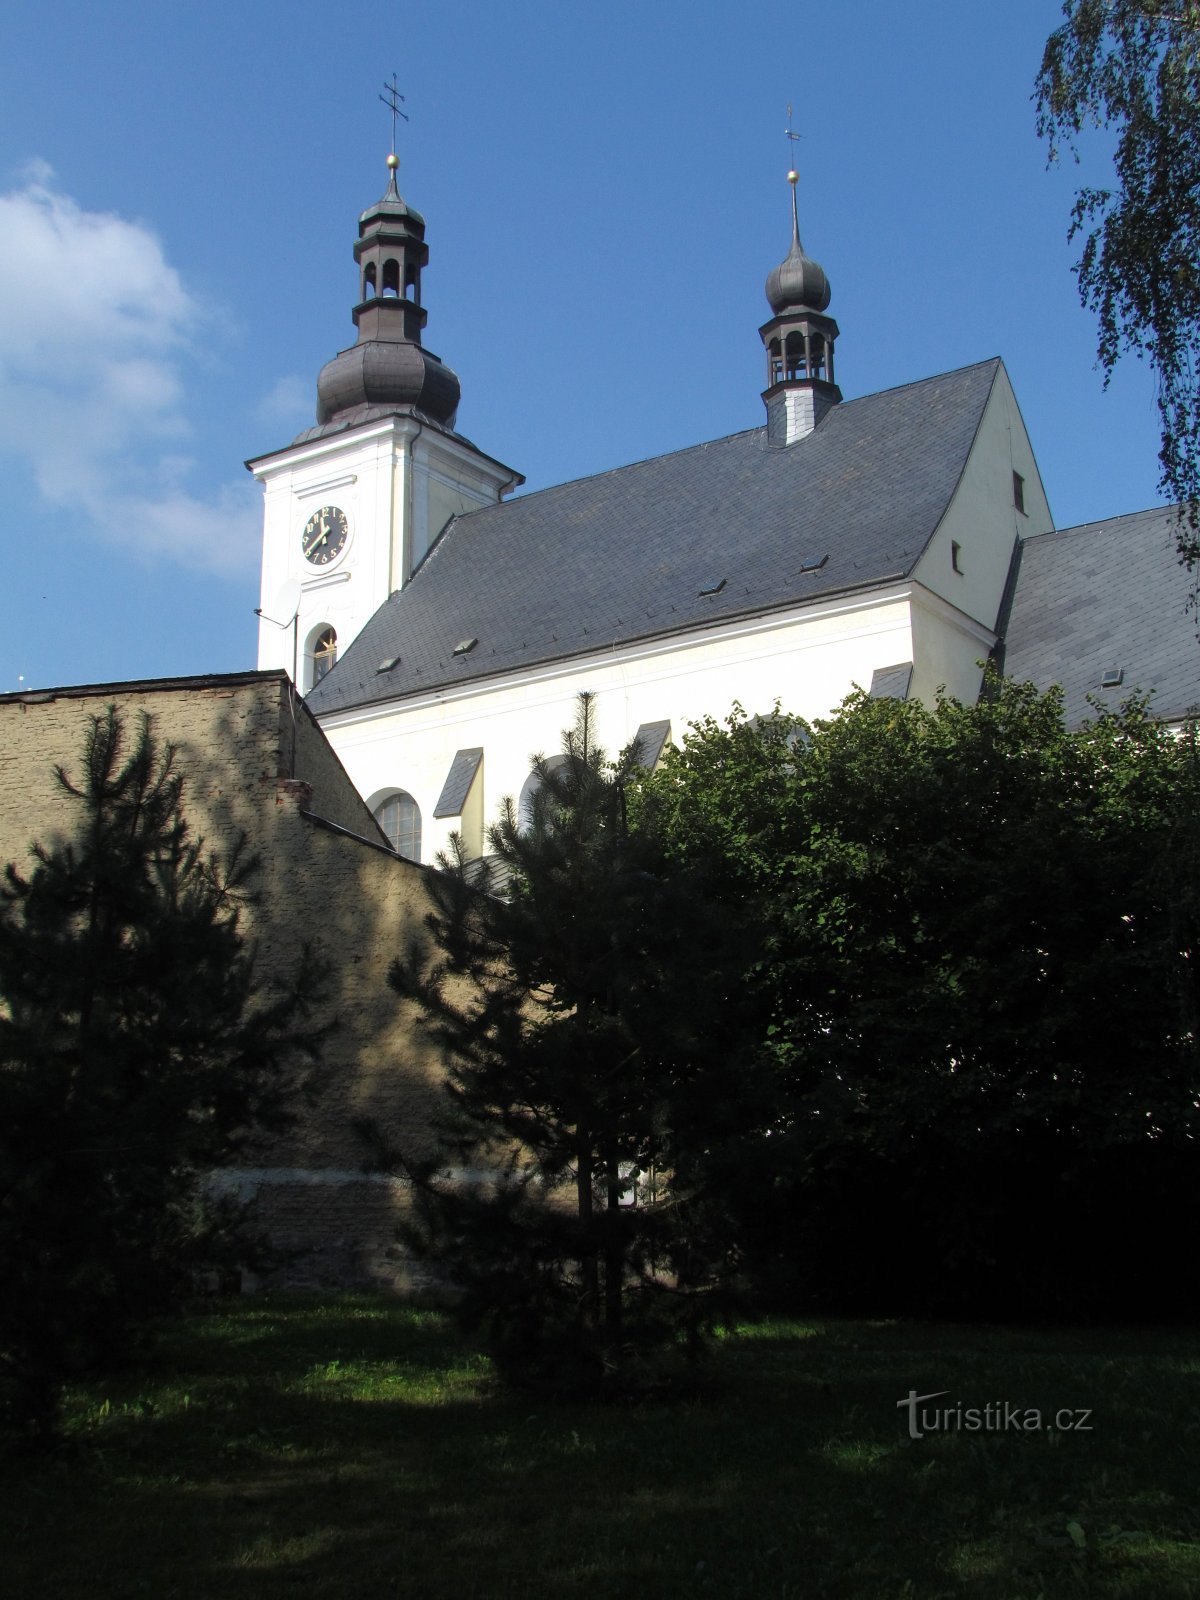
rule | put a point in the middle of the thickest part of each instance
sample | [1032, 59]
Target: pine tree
[596, 1089]
[137, 1053]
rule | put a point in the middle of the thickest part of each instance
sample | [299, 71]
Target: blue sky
[604, 191]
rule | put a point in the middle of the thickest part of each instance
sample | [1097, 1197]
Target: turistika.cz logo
[998, 1416]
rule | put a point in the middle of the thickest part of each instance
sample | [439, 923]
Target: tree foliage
[979, 969]
[591, 1016]
[137, 1053]
[1133, 66]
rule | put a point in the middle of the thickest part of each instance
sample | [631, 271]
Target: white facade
[398, 482]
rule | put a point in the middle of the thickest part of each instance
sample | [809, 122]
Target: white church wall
[948, 650]
[365, 476]
[447, 480]
[968, 559]
[398, 483]
[807, 660]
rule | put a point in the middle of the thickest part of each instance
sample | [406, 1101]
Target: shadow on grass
[359, 1449]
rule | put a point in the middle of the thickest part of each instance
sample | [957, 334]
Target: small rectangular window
[956, 555]
[1019, 492]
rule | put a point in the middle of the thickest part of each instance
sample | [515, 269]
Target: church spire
[388, 367]
[799, 340]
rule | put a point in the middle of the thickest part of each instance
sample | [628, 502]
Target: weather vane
[794, 138]
[393, 100]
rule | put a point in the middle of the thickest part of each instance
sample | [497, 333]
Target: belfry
[388, 366]
[355, 503]
[799, 341]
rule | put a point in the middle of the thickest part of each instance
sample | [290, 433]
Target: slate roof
[1103, 596]
[624, 556]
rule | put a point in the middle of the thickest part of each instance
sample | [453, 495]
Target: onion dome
[388, 367]
[798, 281]
[385, 372]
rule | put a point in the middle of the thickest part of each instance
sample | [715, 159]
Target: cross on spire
[393, 99]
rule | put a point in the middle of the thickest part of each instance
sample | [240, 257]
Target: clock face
[324, 535]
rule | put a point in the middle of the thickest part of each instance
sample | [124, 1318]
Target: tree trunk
[589, 1267]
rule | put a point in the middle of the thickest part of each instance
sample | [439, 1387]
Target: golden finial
[793, 177]
[393, 160]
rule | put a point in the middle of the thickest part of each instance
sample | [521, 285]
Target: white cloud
[289, 403]
[96, 330]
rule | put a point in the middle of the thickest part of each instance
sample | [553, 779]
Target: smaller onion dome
[798, 281]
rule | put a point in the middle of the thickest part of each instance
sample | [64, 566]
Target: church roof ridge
[707, 444]
[1097, 523]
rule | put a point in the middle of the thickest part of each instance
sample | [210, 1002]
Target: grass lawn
[354, 1448]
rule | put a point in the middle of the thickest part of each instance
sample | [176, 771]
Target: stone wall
[327, 882]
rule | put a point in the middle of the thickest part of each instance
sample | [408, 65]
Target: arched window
[391, 277]
[400, 818]
[324, 654]
[369, 282]
[529, 790]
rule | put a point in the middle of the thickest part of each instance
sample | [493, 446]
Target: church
[441, 630]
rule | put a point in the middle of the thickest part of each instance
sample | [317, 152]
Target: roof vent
[815, 566]
[387, 664]
[1113, 678]
[464, 647]
[714, 588]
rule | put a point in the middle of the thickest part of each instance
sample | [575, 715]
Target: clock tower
[354, 504]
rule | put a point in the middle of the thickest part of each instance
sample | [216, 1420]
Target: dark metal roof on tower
[799, 341]
[389, 367]
[798, 282]
[390, 203]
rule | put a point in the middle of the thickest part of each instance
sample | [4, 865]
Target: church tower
[799, 341]
[354, 503]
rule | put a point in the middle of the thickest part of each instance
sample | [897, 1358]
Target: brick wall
[354, 904]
